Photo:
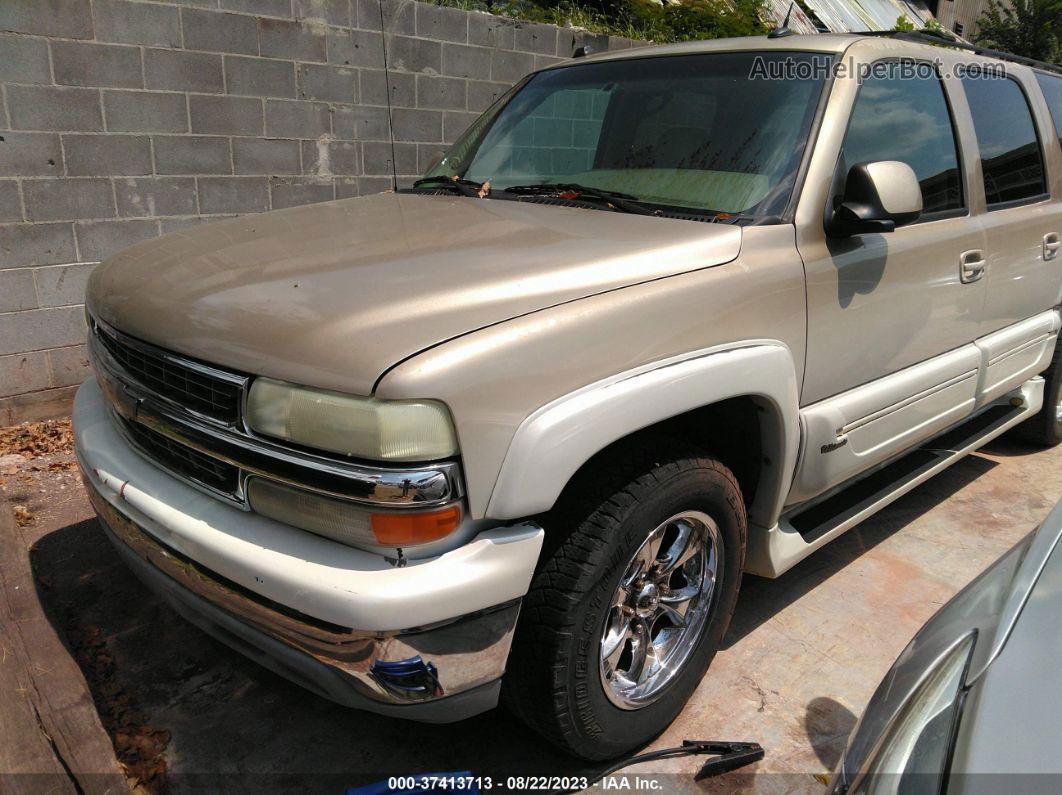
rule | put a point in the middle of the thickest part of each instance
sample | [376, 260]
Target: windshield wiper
[466, 187]
[624, 202]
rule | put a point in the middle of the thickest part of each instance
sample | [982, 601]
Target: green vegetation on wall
[636, 19]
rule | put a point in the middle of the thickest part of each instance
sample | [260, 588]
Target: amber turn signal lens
[406, 529]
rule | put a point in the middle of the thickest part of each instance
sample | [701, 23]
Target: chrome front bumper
[310, 609]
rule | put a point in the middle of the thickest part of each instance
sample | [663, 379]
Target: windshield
[702, 132]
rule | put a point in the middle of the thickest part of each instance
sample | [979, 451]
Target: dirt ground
[802, 657]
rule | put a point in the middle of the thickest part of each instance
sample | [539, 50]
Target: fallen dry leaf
[23, 517]
[32, 439]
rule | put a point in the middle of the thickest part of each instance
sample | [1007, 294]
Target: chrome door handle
[1051, 245]
[972, 265]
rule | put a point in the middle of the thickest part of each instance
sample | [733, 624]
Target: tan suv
[659, 318]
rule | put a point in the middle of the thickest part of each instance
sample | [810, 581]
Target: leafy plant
[1032, 28]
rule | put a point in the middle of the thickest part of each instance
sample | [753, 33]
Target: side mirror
[878, 197]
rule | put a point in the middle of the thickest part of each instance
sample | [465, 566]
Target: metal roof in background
[847, 16]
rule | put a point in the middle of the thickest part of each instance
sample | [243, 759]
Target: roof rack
[930, 38]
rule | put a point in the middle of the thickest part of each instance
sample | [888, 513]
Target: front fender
[552, 443]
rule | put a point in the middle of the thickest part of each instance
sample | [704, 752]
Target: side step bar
[798, 534]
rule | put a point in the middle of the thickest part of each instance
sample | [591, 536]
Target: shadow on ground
[762, 598]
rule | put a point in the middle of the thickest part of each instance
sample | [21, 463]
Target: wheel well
[730, 431]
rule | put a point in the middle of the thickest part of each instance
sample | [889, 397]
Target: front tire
[628, 611]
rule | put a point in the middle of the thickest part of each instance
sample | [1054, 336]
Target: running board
[798, 534]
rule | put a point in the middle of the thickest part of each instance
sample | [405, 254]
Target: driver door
[891, 317]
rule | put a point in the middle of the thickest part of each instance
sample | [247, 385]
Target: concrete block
[399, 16]
[508, 67]
[456, 122]
[483, 94]
[137, 23]
[67, 199]
[339, 49]
[62, 285]
[23, 372]
[283, 39]
[175, 70]
[78, 63]
[368, 48]
[23, 245]
[269, 8]
[259, 77]
[97, 240]
[291, 119]
[170, 225]
[292, 191]
[68, 19]
[217, 115]
[487, 30]
[329, 12]
[328, 83]
[376, 85]
[40, 329]
[265, 156]
[406, 54]
[542, 61]
[24, 60]
[532, 37]
[462, 60]
[441, 23]
[146, 198]
[192, 155]
[330, 158]
[565, 42]
[346, 187]
[424, 126]
[17, 291]
[219, 32]
[361, 123]
[378, 160]
[370, 185]
[69, 366]
[30, 155]
[428, 155]
[10, 201]
[51, 404]
[233, 194]
[443, 93]
[145, 111]
[107, 155]
[48, 108]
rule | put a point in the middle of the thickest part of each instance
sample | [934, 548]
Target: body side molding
[556, 440]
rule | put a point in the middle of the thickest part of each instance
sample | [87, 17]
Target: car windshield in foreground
[704, 133]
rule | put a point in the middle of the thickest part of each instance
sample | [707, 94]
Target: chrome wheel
[659, 609]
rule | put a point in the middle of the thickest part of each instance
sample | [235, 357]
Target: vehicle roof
[868, 46]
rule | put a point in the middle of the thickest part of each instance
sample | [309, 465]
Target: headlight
[914, 752]
[378, 430]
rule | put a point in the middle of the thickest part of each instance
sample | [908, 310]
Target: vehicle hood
[334, 294]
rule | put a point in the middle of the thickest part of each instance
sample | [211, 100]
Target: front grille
[184, 385]
[183, 460]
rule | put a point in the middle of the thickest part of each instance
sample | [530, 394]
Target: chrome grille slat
[215, 398]
[206, 470]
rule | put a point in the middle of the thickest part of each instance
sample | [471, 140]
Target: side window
[903, 117]
[1011, 160]
[1052, 88]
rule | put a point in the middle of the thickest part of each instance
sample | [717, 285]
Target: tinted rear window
[1052, 88]
[1011, 159]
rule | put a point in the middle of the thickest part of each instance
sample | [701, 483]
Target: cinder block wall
[122, 120]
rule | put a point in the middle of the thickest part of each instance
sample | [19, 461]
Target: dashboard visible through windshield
[703, 133]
